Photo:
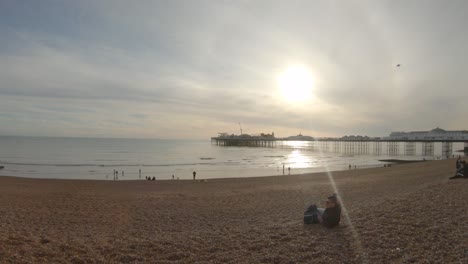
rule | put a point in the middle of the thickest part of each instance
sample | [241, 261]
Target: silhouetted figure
[289, 170]
[194, 175]
[349, 166]
[462, 171]
[154, 178]
[173, 176]
[139, 173]
[329, 216]
[283, 169]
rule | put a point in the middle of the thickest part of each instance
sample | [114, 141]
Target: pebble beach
[406, 213]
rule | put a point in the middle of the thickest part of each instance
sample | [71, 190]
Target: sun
[296, 83]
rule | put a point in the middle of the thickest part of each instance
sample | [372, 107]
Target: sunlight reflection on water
[298, 160]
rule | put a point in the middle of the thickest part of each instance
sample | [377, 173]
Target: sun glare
[296, 83]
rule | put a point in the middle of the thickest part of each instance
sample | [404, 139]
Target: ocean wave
[118, 165]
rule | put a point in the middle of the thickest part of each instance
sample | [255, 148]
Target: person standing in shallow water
[194, 175]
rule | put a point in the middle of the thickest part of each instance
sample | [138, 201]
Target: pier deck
[250, 142]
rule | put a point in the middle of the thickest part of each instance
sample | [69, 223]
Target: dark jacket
[331, 217]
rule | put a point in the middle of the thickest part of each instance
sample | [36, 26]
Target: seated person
[329, 216]
[462, 171]
[465, 169]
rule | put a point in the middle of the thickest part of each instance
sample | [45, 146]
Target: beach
[406, 213]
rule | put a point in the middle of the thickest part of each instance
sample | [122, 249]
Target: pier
[223, 140]
[252, 141]
[408, 147]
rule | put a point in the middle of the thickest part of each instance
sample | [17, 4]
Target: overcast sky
[190, 69]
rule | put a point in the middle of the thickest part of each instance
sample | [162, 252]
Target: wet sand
[408, 213]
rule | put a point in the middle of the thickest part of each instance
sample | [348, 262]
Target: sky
[193, 68]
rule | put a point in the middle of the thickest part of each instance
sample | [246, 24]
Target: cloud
[194, 68]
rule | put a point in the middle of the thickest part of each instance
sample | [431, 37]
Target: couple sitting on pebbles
[328, 217]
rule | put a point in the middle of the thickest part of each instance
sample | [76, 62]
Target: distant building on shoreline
[358, 138]
[434, 134]
[300, 137]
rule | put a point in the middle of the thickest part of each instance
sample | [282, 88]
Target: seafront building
[434, 134]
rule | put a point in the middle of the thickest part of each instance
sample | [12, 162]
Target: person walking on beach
[194, 175]
[289, 170]
[139, 173]
[172, 176]
[283, 168]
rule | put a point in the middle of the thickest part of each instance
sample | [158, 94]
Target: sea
[98, 158]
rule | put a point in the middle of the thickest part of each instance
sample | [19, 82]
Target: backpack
[311, 215]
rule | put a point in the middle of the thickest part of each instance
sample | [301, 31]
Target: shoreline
[362, 167]
[401, 161]
[197, 180]
[238, 220]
